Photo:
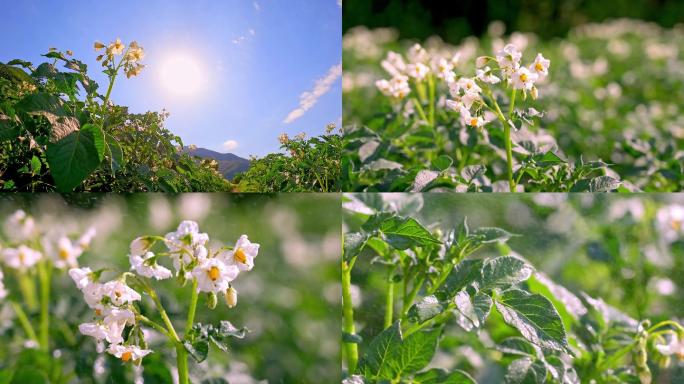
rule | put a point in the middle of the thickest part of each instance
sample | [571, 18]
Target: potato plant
[598, 116]
[464, 290]
[60, 131]
[308, 165]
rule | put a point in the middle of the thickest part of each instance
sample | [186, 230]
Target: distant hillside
[229, 164]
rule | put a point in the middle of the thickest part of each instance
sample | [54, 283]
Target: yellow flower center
[98, 312]
[523, 77]
[213, 273]
[473, 122]
[63, 254]
[240, 256]
[676, 225]
[22, 257]
[117, 293]
[538, 67]
[126, 356]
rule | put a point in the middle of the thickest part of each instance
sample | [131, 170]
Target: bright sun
[181, 75]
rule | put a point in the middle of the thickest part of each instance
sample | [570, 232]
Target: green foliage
[58, 133]
[449, 292]
[309, 165]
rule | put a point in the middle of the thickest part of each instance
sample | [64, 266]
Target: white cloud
[309, 98]
[252, 31]
[229, 145]
[257, 6]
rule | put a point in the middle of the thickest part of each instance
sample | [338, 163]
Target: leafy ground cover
[440, 288]
[102, 289]
[605, 115]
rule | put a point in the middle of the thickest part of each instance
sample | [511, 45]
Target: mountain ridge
[229, 164]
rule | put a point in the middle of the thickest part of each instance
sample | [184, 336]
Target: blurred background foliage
[618, 248]
[454, 20]
[289, 301]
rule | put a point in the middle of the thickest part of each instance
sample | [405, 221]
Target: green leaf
[424, 310]
[41, 102]
[472, 313]
[603, 184]
[198, 349]
[353, 244]
[7, 130]
[75, 157]
[114, 152]
[35, 165]
[403, 233]
[517, 346]
[502, 272]
[548, 159]
[486, 235]
[440, 376]
[415, 353]
[375, 361]
[534, 316]
[526, 371]
[465, 273]
[442, 163]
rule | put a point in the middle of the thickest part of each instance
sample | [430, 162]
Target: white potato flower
[522, 78]
[21, 257]
[417, 54]
[146, 266]
[397, 87]
[540, 66]
[467, 85]
[128, 352]
[418, 71]
[468, 119]
[140, 245]
[674, 347]
[93, 295]
[119, 293]
[213, 275]
[242, 255]
[20, 226]
[87, 238]
[509, 58]
[115, 322]
[64, 253]
[670, 222]
[486, 76]
[186, 237]
[394, 64]
[81, 276]
[3, 291]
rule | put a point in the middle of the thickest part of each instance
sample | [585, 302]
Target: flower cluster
[113, 302]
[29, 245]
[466, 93]
[670, 221]
[131, 57]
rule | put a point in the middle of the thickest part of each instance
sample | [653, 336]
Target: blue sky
[258, 58]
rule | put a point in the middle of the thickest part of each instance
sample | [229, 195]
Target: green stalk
[193, 307]
[28, 291]
[45, 273]
[389, 302]
[181, 353]
[24, 321]
[507, 139]
[408, 300]
[182, 363]
[351, 349]
[431, 106]
[420, 110]
[435, 320]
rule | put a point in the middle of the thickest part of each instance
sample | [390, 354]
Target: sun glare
[182, 75]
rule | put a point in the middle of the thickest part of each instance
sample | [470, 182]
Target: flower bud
[535, 93]
[481, 61]
[211, 300]
[231, 296]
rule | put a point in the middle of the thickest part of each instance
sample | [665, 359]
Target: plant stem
[435, 320]
[181, 353]
[507, 138]
[24, 321]
[420, 110]
[389, 302]
[193, 307]
[351, 349]
[28, 291]
[154, 325]
[182, 363]
[44, 272]
[408, 300]
[431, 106]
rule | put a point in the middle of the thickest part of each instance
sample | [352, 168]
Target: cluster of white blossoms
[29, 245]
[113, 302]
[466, 92]
[132, 56]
